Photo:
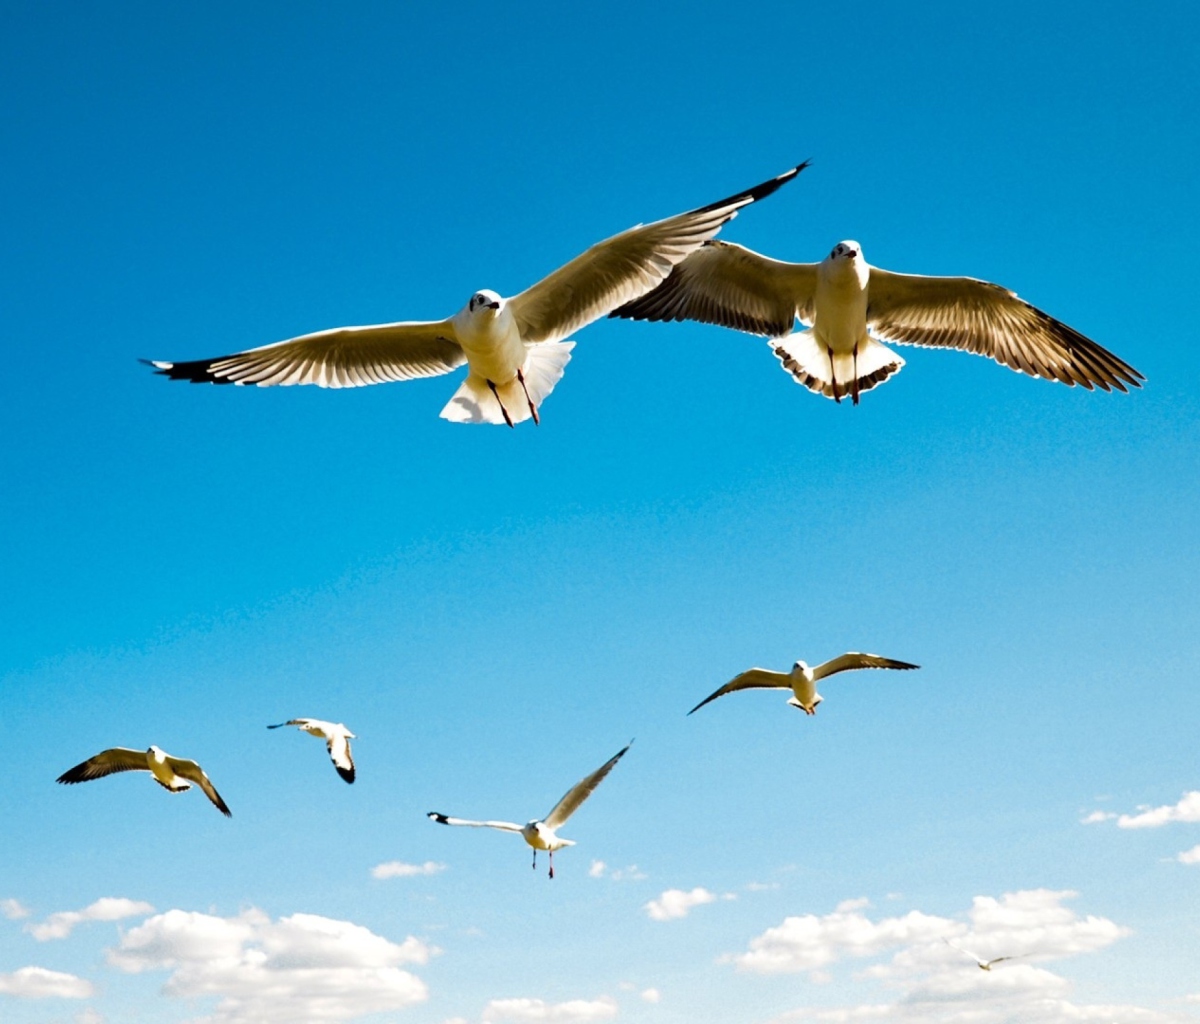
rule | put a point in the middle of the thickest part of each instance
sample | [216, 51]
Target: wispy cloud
[1097, 816]
[651, 995]
[1187, 809]
[519, 1011]
[14, 910]
[40, 983]
[399, 869]
[676, 903]
[630, 874]
[107, 908]
[1191, 856]
[302, 967]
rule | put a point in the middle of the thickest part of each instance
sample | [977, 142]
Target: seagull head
[847, 250]
[801, 667]
[484, 303]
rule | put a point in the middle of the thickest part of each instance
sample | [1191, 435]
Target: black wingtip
[345, 773]
[759, 191]
[441, 819]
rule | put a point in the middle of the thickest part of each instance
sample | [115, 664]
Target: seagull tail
[808, 361]
[474, 401]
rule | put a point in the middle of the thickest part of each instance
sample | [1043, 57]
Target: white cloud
[929, 982]
[14, 910]
[399, 869]
[651, 995]
[39, 983]
[1187, 809]
[1097, 816]
[630, 874]
[107, 908]
[520, 1011]
[302, 967]
[1191, 856]
[89, 1016]
[675, 903]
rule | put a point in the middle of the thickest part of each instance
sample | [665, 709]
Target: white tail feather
[474, 402]
[808, 361]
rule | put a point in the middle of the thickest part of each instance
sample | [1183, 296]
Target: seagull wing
[623, 268]
[504, 826]
[345, 357]
[338, 746]
[191, 771]
[853, 660]
[579, 792]
[116, 759]
[751, 679]
[955, 945]
[726, 284]
[984, 318]
[291, 721]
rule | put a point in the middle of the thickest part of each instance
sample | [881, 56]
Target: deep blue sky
[496, 612]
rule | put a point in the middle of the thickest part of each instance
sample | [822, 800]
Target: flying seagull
[173, 773]
[541, 834]
[984, 965]
[337, 741]
[514, 348]
[802, 680]
[843, 297]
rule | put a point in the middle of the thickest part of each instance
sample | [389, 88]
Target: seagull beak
[493, 305]
[852, 253]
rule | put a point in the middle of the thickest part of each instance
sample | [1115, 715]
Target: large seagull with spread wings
[843, 300]
[174, 774]
[515, 348]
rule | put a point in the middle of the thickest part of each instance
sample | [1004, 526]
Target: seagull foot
[507, 417]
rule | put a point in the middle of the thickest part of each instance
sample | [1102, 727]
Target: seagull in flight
[843, 300]
[515, 348]
[802, 680]
[172, 773]
[541, 834]
[337, 741]
[983, 965]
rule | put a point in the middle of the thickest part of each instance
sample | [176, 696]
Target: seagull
[541, 834]
[984, 965]
[843, 297]
[514, 348]
[337, 741]
[173, 773]
[802, 680]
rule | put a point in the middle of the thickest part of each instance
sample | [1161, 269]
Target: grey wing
[504, 826]
[984, 318]
[624, 267]
[579, 792]
[116, 759]
[290, 721]
[338, 746]
[191, 771]
[854, 659]
[751, 679]
[345, 357]
[729, 285]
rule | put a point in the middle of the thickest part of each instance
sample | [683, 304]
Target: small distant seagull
[172, 773]
[337, 741]
[842, 298]
[983, 965]
[541, 834]
[514, 348]
[802, 680]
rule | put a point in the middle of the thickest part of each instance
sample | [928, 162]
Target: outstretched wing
[751, 679]
[624, 267]
[345, 357]
[579, 792]
[338, 746]
[984, 318]
[191, 771]
[116, 759]
[729, 285]
[291, 721]
[505, 826]
[853, 660]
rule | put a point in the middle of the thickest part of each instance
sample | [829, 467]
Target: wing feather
[623, 268]
[345, 357]
[853, 660]
[191, 771]
[338, 746]
[989, 320]
[504, 826]
[751, 679]
[579, 792]
[107, 762]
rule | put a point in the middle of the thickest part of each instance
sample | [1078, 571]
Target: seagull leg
[833, 377]
[535, 858]
[537, 421]
[854, 386]
[551, 855]
[507, 417]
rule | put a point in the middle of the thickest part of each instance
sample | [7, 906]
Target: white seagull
[844, 300]
[541, 834]
[172, 773]
[983, 965]
[337, 741]
[802, 680]
[514, 348]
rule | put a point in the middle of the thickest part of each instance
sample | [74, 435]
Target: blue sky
[496, 612]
